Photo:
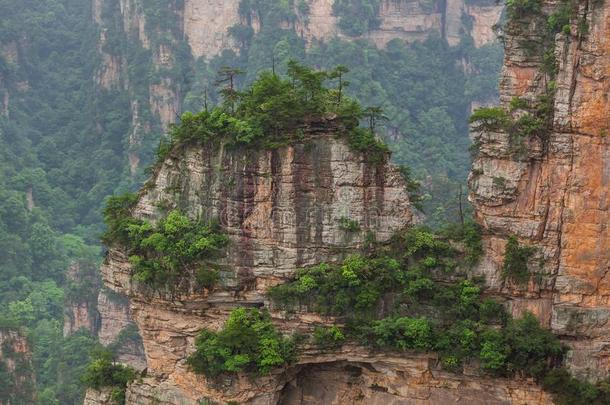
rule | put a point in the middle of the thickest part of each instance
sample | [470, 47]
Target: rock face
[557, 198]
[16, 372]
[206, 22]
[117, 329]
[102, 313]
[81, 308]
[101, 397]
[281, 209]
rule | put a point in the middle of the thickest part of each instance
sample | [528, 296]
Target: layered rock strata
[282, 210]
[557, 196]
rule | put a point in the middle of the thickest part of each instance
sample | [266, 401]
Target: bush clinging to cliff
[247, 343]
[162, 255]
[398, 298]
[104, 371]
[516, 259]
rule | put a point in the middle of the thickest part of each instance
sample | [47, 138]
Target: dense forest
[65, 140]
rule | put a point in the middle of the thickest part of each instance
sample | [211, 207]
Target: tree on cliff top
[274, 110]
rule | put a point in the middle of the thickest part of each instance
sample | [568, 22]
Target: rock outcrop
[282, 209]
[102, 313]
[81, 303]
[98, 397]
[557, 197]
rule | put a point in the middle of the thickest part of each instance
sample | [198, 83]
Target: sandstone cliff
[282, 209]
[81, 303]
[556, 197]
[206, 22]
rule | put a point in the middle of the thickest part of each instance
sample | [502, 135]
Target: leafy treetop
[248, 343]
[274, 109]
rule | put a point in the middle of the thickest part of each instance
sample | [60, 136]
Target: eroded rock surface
[282, 210]
[557, 197]
[81, 304]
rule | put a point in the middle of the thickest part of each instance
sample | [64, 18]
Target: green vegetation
[104, 371]
[518, 9]
[535, 123]
[63, 149]
[489, 119]
[568, 390]
[391, 300]
[248, 343]
[413, 188]
[360, 283]
[357, 17]
[165, 254]
[516, 259]
[274, 110]
[118, 219]
[15, 370]
[349, 225]
[328, 338]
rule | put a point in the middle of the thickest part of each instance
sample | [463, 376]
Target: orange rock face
[557, 198]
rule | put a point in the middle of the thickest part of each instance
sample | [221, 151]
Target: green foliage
[487, 119]
[273, 111]
[358, 283]
[357, 17]
[413, 187]
[103, 371]
[16, 371]
[57, 356]
[560, 19]
[117, 216]
[516, 259]
[469, 234]
[328, 338]
[403, 333]
[349, 225]
[404, 269]
[518, 9]
[248, 343]
[523, 346]
[568, 390]
[534, 123]
[518, 103]
[164, 254]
